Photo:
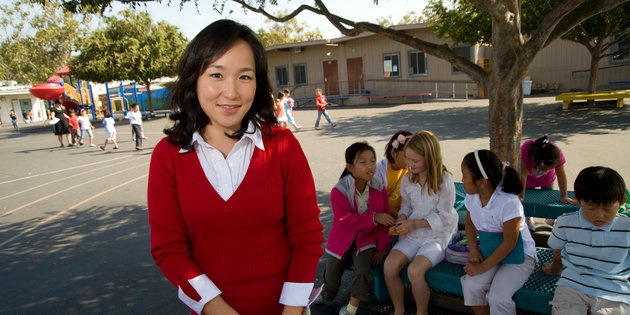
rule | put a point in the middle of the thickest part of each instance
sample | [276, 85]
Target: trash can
[527, 87]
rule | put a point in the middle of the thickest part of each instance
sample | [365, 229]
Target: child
[593, 243]
[74, 128]
[426, 221]
[320, 100]
[14, 119]
[280, 112]
[505, 256]
[393, 167]
[86, 126]
[288, 108]
[358, 231]
[135, 119]
[541, 162]
[110, 130]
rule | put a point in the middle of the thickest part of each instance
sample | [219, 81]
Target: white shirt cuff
[295, 294]
[206, 289]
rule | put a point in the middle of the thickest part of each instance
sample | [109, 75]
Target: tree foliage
[516, 36]
[289, 32]
[132, 48]
[37, 40]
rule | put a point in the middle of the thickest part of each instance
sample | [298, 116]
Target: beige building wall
[557, 68]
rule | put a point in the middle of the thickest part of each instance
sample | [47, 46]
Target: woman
[233, 211]
[62, 127]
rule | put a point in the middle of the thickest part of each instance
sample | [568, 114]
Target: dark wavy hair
[211, 43]
[497, 173]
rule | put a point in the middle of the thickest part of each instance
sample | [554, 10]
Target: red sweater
[267, 233]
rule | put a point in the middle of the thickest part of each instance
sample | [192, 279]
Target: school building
[373, 68]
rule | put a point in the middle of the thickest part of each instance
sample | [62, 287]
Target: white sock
[352, 309]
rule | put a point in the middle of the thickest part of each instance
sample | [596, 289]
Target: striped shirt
[596, 260]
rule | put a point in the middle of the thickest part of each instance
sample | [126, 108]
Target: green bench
[535, 294]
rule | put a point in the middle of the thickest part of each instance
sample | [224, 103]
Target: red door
[331, 77]
[355, 75]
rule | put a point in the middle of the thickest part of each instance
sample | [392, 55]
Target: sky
[190, 22]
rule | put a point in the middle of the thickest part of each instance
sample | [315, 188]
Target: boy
[135, 119]
[321, 101]
[74, 128]
[591, 248]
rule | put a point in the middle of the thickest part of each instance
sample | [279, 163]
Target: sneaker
[344, 311]
[143, 137]
[102, 147]
[317, 128]
[80, 143]
[333, 125]
[92, 145]
[61, 146]
[530, 224]
[71, 145]
[139, 148]
[116, 148]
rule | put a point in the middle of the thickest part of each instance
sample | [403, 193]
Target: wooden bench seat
[568, 98]
[420, 95]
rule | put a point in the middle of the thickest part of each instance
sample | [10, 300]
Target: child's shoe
[92, 145]
[116, 148]
[102, 147]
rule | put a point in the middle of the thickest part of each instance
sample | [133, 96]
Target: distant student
[359, 227]
[110, 130]
[504, 257]
[86, 126]
[74, 127]
[289, 103]
[426, 221]
[542, 162]
[393, 168]
[135, 119]
[14, 119]
[591, 248]
[320, 100]
[281, 114]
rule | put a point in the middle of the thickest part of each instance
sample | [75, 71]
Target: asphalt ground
[74, 237]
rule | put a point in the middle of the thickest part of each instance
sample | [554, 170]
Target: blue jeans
[319, 117]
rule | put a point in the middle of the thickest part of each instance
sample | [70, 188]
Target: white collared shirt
[226, 173]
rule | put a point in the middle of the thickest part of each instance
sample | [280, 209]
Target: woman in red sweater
[232, 203]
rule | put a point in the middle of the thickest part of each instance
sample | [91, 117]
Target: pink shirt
[536, 177]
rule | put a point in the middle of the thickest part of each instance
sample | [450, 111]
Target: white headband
[483, 172]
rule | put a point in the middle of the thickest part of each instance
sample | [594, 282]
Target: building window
[282, 76]
[417, 63]
[464, 51]
[391, 65]
[621, 52]
[299, 74]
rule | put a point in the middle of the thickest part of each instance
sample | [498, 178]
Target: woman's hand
[384, 219]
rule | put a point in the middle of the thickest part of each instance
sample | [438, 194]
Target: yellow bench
[619, 95]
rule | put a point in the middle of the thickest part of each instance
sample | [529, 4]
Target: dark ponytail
[544, 152]
[497, 172]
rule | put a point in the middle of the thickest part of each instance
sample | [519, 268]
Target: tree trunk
[592, 78]
[505, 91]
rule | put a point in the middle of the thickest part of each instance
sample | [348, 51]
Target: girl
[393, 167]
[505, 256]
[426, 221]
[281, 114]
[320, 100]
[289, 103]
[359, 228]
[233, 212]
[86, 126]
[541, 162]
[110, 130]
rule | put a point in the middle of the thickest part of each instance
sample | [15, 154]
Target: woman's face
[227, 87]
